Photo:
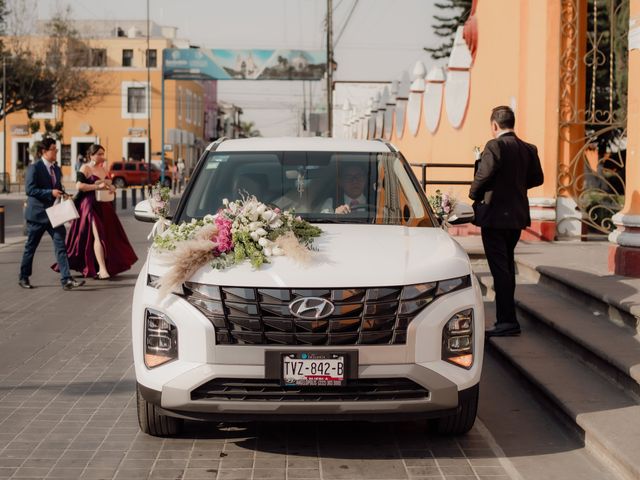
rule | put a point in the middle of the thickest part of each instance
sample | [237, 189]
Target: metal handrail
[424, 182]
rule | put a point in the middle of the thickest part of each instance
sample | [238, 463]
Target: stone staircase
[580, 348]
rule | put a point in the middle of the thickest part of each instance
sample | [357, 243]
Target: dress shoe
[24, 283]
[71, 284]
[511, 329]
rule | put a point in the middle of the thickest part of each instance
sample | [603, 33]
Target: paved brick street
[67, 408]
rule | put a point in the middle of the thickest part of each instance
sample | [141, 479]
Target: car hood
[349, 256]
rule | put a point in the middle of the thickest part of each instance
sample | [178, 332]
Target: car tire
[152, 423]
[119, 182]
[460, 422]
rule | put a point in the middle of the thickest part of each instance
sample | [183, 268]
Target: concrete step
[613, 351]
[606, 416]
[607, 298]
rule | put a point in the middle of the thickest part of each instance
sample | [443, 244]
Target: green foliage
[247, 130]
[36, 80]
[446, 25]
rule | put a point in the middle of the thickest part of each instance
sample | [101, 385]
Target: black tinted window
[319, 186]
[116, 166]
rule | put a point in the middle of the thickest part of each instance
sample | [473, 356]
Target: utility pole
[147, 56]
[330, 67]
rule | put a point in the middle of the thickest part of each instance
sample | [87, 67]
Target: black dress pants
[499, 244]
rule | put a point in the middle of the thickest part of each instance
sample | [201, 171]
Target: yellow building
[119, 120]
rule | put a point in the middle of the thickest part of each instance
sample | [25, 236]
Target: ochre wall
[517, 61]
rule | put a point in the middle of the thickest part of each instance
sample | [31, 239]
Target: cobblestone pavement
[67, 406]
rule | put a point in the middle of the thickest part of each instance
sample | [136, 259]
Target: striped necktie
[53, 177]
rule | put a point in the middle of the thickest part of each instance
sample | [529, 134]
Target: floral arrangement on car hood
[243, 230]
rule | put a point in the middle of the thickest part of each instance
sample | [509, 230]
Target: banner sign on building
[203, 64]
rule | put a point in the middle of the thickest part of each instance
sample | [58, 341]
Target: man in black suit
[507, 168]
[43, 186]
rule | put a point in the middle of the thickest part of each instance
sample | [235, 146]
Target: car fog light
[457, 339]
[161, 339]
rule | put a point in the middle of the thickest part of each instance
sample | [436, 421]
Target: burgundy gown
[118, 253]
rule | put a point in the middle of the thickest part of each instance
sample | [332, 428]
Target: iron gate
[593, 101]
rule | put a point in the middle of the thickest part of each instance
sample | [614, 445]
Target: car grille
[374, 389]
[362, 316]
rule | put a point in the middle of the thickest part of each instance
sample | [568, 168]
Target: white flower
[254, 236]
[275, 223]
[253, 226]
[209, 218]
[261, 208]
[268, 215]
[261, 231]
[225, 202]
[277, 251]
[264, 242]
[267, 251]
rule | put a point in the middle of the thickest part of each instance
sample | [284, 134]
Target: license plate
[313, 369]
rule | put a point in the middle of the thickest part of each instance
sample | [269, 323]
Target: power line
[346, 22]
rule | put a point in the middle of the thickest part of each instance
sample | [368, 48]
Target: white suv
[389, 309]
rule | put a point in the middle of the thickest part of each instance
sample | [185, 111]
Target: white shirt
[327, 206]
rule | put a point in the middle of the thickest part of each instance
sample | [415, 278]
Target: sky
[380, 40]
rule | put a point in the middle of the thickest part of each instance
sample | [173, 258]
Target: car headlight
[457, 339]
[160, 339]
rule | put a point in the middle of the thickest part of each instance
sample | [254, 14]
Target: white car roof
[301, 144]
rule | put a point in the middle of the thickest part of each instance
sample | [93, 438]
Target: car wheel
[119, 182]
[151, 422]
[464, 418]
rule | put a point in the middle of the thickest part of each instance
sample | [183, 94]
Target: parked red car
[123, 174]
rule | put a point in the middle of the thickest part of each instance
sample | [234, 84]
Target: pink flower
[223, 237]
[277, 210]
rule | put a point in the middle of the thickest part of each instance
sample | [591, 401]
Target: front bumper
[175, 398]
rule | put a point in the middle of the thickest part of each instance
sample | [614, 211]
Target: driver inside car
[352, 181]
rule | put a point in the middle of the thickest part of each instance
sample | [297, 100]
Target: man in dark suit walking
[507, 168]
[43, 186]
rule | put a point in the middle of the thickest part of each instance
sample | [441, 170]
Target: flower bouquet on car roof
[244, 230]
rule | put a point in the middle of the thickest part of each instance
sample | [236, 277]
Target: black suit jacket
[39, 186]
[507, 168]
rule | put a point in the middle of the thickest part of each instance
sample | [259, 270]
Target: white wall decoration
[381, 109]
[401, 103]
[414, 105]
[456, 90]
[388, 113]
[371, 119]
[432, 100]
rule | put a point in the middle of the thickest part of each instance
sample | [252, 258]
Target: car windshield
[322, 187]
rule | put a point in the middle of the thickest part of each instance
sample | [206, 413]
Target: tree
[37, 78]
[247, 130]
[446, 26]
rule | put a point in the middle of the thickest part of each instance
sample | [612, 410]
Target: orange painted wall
[516, 61]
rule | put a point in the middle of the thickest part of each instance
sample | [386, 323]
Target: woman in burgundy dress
[97, 245]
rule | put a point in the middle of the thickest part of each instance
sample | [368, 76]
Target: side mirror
[462, 213]
[144, 213]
